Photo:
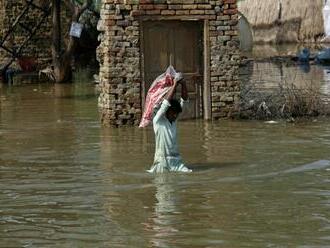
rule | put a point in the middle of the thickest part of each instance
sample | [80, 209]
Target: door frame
[206, 88]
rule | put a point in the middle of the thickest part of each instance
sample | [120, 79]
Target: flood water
[265, 73]
[65, 181]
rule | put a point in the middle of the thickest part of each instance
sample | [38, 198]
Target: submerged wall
[277, 21]
[39, 46]
[120, 54]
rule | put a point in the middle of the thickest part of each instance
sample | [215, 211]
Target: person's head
[174, 110]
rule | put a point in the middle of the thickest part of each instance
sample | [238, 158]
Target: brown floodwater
[66, 181]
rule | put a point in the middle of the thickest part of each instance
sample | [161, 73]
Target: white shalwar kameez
[167, 157]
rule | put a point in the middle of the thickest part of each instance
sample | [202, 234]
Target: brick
[176, 1]
[229, 1]
[230, 11]
[137, 12]
[182, 12]
[146, 7]
[210, 12]
[204, 6]
[233, 6]
[189, 6]
[146, 1]
[197, 12]
[175, 6]
[160, 6]
[153, 12]
[168, 12]
[231, 32]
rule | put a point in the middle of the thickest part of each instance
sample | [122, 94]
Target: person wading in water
[167, 157]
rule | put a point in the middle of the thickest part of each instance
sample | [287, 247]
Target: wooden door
[177, 43]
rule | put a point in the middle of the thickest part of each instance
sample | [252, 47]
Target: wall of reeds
[278, 21]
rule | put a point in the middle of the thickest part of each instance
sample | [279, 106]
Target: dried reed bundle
[291, 20]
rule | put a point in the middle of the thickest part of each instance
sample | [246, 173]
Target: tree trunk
[62, 61]
[56, 40]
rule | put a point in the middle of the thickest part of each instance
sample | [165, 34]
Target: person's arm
[171, 92]
[184, 90]
[161, 111]
[165, 104]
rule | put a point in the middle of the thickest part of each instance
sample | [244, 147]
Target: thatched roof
[284, 20]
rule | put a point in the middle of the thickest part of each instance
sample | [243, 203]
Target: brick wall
[119, 53]
[39, 47]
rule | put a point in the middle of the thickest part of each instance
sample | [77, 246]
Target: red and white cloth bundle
[157, 92]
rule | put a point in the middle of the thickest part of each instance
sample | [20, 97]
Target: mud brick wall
[2, 24]
[39, 47]
[119, 53]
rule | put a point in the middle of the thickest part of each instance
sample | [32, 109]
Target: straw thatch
[284, 20]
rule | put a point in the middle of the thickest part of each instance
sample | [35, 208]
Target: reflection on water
[269, 75]
[265, 75]
[166, 211]
[65, 181]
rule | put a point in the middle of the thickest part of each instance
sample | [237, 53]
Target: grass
[286, 101]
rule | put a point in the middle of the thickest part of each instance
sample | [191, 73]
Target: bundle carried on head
[156, 93]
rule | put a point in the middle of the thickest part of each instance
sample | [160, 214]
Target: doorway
[177, 43]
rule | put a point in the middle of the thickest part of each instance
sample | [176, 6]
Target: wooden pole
[207, 87]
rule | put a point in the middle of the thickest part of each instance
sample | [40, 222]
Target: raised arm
[171, 92]
[165, 104]
[184, 90]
